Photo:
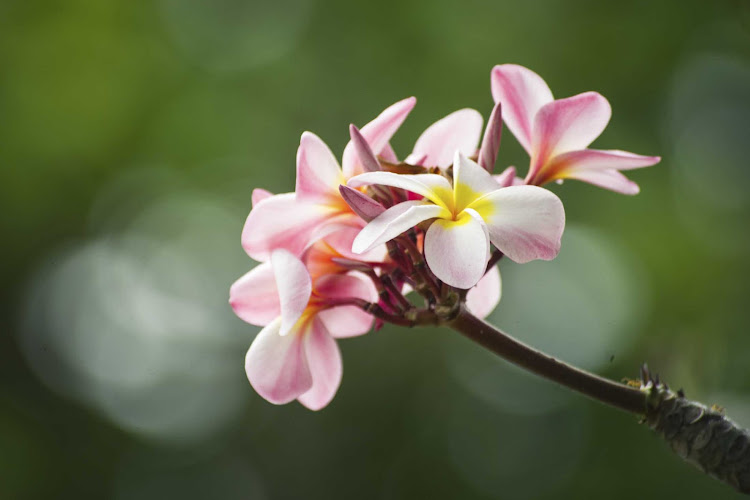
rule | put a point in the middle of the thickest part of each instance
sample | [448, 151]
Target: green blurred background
[131, 137]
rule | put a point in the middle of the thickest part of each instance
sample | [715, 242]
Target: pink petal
[294, 285]
[346, 321]
[506, 178]
[259, 195]
[393, 222]
[377, 133]
[276, 365]
[457, 251]
[281, 222]
[524, 222]
[324, 360]
[254, 297]
[318, 172]
[432, 186]
[360, 203]
[388, 154]
[459, 131]
[567, 125]
[522, 94]
[470, 181]
[595, 159]
[365, 155]
[484, 297]
[607, 179]
[491, 140]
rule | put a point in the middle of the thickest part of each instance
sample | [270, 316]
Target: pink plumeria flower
[295, 355]
[292, 220]
[524, 222]
[557, 133]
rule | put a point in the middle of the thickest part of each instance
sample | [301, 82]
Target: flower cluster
[340, 253]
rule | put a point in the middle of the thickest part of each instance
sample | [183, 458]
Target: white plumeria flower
[523, 222]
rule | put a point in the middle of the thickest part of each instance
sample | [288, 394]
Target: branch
[702, 436]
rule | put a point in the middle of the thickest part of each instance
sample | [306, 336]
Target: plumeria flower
[292, 220]
[557, 133]
[524, 222]
[295, 355]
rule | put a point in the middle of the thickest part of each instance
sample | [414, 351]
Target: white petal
[470, 181]
[457, 251]
[435, 188]
[254, 297]
[393, 222]
[524, 222]
[324, 360]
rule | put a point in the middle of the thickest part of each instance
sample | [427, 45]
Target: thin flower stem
[420, 266]
[395, 293]
[612, 393]
[410, 318]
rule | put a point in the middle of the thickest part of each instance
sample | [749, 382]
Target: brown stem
[612, 393]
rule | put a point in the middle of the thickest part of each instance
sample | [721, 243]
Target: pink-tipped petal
[260, 194]
[595, 159]
[459, 131]
[281, 221]
[485, 296]
[457, 251]
[470, 181]
[294, 285]
[522, 94]
[569, 124]
[377, 133]
[318, 172]
[276, 365]
[360, 203]
[255, 297]
[491, 140]
[524, 222]
[506, 178]
[393, 222]
[324, 360]
[435, 188]
[346, 321]
[607, 179]
[365, 155]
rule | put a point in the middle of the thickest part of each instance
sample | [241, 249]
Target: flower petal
[470, 181]
[524, 222]
[395, 221]
[360, 203]
[260, 194]
[435, 188]
[506, 178]
[377, 133]
[607, 179]
[522, 94]
[459, 131]
[485, 296]
[596, 159]
[254, 297]
[364, 154]
[276, 365]
[294, 285]
[568, 124]
[318, 172]
[457, 251]
[491, 140]
[346, 321]
[281, 222]
[324, 360]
